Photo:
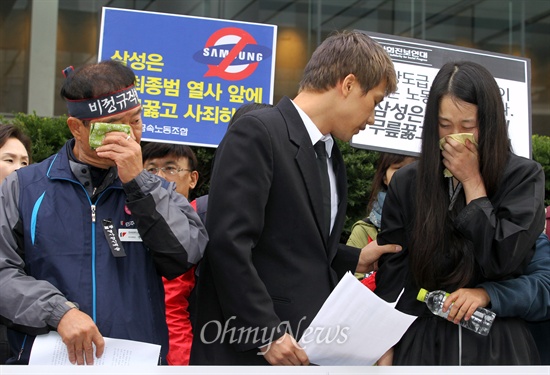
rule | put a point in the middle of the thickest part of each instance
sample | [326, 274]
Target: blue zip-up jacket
[53, 222]
[527, 296]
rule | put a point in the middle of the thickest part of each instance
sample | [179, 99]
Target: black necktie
[321, 151]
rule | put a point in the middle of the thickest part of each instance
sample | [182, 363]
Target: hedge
[49, 134]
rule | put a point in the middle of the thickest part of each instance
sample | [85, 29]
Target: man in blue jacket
[87, 234]
[528, 297]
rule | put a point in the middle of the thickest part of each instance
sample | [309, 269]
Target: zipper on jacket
[93, 265]
[94, 290]
[22, 348]
[94, 285]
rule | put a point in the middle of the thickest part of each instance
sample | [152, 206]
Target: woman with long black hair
[467, 212]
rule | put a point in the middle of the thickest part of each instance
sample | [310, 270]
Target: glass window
[505, 26]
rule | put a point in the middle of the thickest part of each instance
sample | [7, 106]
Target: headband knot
[68, 70]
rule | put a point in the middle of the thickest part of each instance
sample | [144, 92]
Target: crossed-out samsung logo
[248, 55]
[232, 54]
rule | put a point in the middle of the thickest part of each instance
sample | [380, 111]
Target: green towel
[99, 129]
[460, 137]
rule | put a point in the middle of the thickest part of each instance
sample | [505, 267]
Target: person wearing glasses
[176, 163]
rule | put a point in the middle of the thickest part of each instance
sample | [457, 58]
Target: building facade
[39, 38]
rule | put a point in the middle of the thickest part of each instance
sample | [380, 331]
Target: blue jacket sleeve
[527, 296]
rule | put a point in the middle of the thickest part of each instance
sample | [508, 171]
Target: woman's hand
[464, 302]
[462, 160]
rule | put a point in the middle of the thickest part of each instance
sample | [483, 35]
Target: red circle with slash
[221, 69]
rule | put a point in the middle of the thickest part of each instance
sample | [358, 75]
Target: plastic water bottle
[480, 322]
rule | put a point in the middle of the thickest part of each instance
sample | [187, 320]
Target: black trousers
[4, 345]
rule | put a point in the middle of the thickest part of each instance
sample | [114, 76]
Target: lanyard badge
[112, 239]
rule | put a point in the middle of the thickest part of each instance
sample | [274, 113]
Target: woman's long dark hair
[433, 234]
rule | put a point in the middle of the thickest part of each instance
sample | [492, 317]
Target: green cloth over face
[99, 129]
[460, 137]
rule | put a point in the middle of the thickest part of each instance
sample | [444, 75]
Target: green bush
[205, 157]
[360, 168]
[49, 134]
[541, 152]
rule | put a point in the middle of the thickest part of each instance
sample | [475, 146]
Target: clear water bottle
[480, 322]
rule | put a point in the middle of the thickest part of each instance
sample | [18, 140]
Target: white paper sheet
[354, 327]
[50, 350]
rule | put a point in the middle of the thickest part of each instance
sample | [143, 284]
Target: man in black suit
[274, 254]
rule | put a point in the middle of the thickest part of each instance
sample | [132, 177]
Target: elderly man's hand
[79, 333]
[125, 151]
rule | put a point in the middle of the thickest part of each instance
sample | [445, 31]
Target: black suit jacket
[267, 267]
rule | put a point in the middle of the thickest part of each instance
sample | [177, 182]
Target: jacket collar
[66, 167]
